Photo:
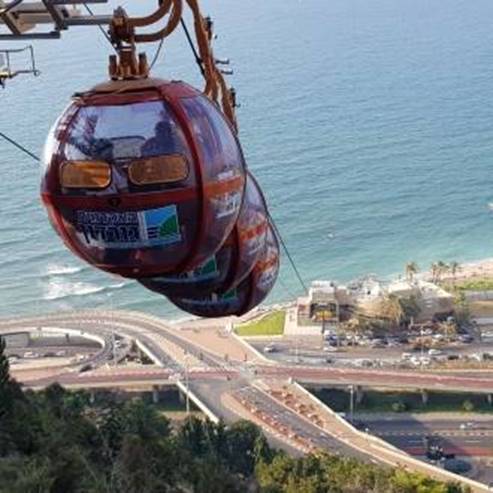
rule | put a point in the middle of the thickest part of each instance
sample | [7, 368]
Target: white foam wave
[57, 289]
[61, 270]
[119, 285]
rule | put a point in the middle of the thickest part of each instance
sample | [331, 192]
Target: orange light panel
[159, 169]
[85, 174]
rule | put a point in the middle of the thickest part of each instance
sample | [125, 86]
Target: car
[330, 349]
[453, 357]
[435, 352]
[406, 356]
[270, 348]
[378, 343]
[466, 338]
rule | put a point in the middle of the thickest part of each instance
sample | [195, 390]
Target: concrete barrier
[196, 400]
[148, 353]
[401, 457]
[251, 348]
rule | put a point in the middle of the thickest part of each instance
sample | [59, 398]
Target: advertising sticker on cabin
[132, 229]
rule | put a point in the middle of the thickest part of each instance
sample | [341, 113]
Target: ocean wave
[61, 270]
[57, 289]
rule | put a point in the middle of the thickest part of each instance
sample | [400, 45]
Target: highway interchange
[211, 376]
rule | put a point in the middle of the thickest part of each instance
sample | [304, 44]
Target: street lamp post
[187, 399]
[422, 347]
[351, 403]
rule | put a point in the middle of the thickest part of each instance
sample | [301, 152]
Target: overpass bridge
[227, 388]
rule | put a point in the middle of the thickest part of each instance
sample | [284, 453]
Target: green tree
[442, 269]
[410, 308]
[461, 308]
[434, 268]
[411, 270]
[243, 439]
[390, 309]
[454, 268]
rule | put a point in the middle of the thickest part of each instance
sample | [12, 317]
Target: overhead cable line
[105, 34]
[290, 258]
[198, 60]
[19, 146]
[156, 55]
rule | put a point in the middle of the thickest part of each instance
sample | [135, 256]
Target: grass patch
[270, 325]
[472, 284]
[383, 402]
[481, 308]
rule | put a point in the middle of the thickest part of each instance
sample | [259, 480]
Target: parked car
[435, 352]
[378, 343]
[453, 357]
[270, 348]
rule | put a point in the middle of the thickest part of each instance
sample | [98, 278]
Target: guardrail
[398, 455]
[196, 400]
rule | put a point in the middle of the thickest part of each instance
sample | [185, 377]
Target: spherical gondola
[234, 260]
[250, 293]
[143, 177]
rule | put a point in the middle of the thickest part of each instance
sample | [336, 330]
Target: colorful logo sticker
[227, 204]
[122, 230]
[205, 272]
[214, 300]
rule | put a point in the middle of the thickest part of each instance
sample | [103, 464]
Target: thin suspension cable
[105, 34]
[290, 258]
[156, 55]
[19, 146]
[192, 46]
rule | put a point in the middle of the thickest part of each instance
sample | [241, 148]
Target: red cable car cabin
[143, 177]
[250, 293]
[234, 260]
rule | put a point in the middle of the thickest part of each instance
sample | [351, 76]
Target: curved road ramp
[295, 398]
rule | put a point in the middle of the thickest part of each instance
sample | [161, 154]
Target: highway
[214, 378]
[458, 436]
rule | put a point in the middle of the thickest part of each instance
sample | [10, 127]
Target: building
[328, 303]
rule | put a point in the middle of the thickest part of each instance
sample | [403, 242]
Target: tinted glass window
[216, 140]
[123, 132]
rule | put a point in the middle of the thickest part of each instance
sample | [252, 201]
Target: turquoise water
[368, 124]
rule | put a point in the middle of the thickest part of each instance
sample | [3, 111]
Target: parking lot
[406, 351]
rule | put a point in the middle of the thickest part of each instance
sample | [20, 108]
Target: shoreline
[467, 270]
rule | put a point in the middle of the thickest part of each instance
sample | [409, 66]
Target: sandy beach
[467, 270]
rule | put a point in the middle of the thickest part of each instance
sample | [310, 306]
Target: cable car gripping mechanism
[126, 64]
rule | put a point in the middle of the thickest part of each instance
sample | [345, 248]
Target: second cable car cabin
[143, 177]
[233, 261]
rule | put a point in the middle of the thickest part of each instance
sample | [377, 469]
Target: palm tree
[434, 271]
[454, 267]
[411, 270]
[442, 269]
[391, 309]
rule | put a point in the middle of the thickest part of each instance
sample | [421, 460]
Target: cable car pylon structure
[146, 178]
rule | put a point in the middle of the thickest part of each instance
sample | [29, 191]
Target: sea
[369, 125]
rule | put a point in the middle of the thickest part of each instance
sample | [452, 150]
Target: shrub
[399, 407]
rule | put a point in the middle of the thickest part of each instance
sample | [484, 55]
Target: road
[455, 435]
[213, 377]
[309, 351]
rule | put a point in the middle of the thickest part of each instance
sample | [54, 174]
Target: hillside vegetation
[56, 441]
